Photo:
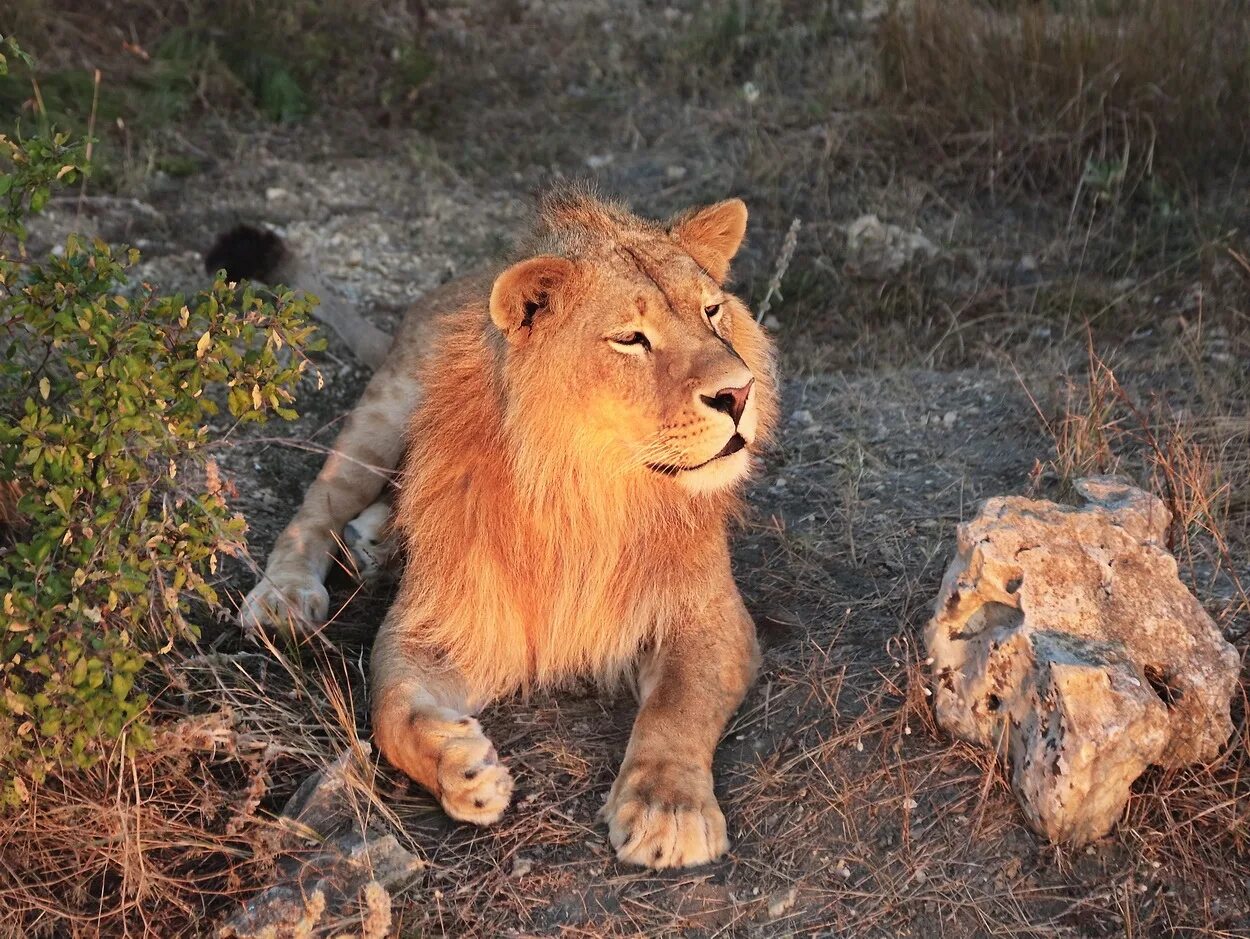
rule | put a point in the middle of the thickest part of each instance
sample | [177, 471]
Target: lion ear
[712, 235]
[525, 291]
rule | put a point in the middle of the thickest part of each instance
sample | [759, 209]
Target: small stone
[802, 417]
[521, 866]
[597, 161]
[878, 250]
[779, 904]
[949, 418]
[772, 323]
[675, 172]
[274, 193]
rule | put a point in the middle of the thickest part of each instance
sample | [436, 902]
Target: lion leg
[423, 724]
[662, 811]
[292, 591]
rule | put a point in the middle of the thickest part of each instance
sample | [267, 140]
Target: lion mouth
[736, 443]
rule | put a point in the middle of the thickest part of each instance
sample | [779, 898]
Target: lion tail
[247, 252]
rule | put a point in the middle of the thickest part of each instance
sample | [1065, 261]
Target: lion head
[622, 341]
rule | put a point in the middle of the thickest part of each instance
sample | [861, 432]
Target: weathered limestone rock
[338, 867]
[1064, 639]
[877, 250]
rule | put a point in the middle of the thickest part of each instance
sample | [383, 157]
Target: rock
[869, 11]
[1023, 272]
[782, 902]
[875, 249]
[1064, 638]
[339, 861]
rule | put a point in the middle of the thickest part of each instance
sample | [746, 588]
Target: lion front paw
[662, 814]
[290, 601]
[473, 786]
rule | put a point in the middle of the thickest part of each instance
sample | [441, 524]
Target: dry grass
[1028, 94]
[150, 843]
[139, 844]
[1196, 462]
[1192, 822]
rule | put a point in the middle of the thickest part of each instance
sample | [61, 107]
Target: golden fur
[532, 526]
[564, 504]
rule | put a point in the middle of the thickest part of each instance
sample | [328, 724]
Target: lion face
[643, 357]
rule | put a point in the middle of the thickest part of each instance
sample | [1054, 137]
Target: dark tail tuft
[245, 253]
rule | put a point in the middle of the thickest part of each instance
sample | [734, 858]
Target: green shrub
[115, 514]
[281, 58]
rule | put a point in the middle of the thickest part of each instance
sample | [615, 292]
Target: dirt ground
[909, 397]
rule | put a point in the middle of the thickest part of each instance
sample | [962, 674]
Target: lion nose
[731, 401]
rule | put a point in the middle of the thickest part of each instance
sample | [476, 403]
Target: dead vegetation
[140, 845]
[1115, 94]
[1089, 310]
[155, 842]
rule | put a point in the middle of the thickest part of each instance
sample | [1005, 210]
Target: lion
[575, 434]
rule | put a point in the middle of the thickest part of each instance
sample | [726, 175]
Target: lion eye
[632, 339]
[712, 311]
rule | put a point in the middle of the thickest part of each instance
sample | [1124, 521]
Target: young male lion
[586, 422]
